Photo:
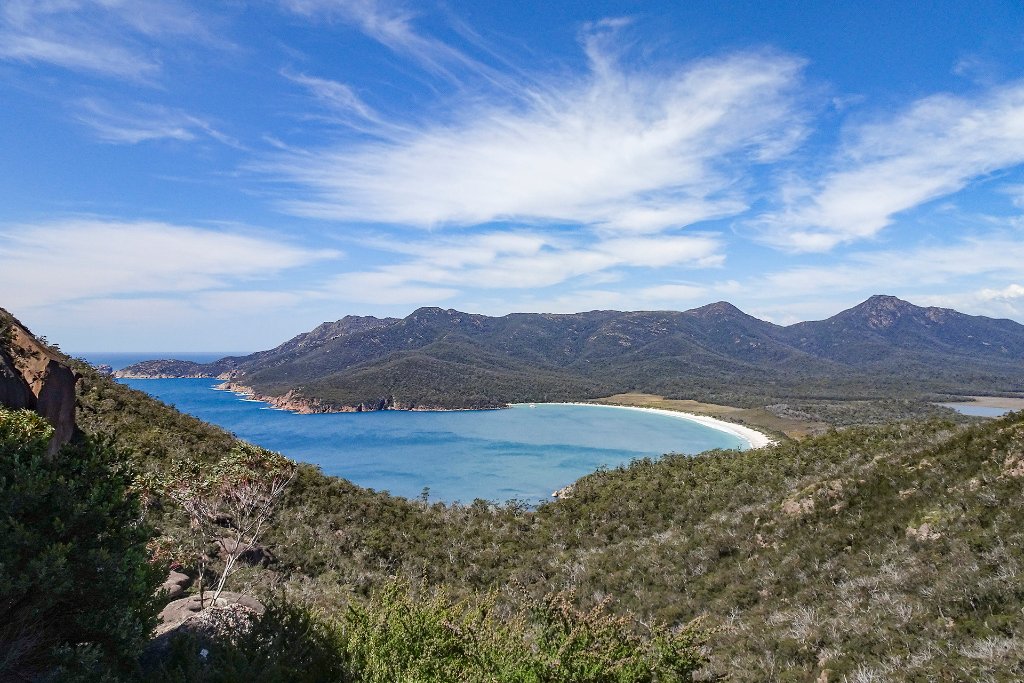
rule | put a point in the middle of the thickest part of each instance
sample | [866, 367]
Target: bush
[399, 636]
[76, 588]
[287, 644]
[396, 637]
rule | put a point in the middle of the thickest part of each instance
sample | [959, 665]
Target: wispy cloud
[333, 94]
[502, 261]
[111, 60]
[144, 122]
[392, 25]
[106, 37]
[343, 105]
[89, 258]
[978, 275]
[915, 268]
[936, 147]
[619, 149]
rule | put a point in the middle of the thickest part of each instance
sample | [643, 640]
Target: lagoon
[522, 453]
[977, 410]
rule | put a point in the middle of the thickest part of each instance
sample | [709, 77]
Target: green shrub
[76, 588]
[397, 637]
[287, 644]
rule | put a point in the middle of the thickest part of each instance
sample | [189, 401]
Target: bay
[521, 453]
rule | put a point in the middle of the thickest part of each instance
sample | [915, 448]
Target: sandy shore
[994, 402]
[753, 437]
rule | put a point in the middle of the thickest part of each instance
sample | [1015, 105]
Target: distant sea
[520, 453]
[123, 359]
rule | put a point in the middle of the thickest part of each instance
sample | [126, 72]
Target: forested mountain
[883, 347]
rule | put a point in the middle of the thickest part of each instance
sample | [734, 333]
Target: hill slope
[883, 347]
[865, 554]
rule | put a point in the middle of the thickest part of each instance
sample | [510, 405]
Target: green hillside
[869, 553]
[863, 552]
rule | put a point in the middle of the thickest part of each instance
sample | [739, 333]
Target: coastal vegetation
[870, 551]
[863, 551]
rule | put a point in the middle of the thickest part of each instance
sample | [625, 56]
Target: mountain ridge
[437, 358]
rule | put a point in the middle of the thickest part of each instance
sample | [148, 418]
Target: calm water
[523, 453]
[976, 410]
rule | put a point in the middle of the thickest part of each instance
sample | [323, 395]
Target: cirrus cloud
[616, 149]
[934, 148]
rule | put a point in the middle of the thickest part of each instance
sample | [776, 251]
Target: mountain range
[443, 358]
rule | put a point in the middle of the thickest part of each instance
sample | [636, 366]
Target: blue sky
[222, 176]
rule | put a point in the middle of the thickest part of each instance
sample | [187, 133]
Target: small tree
[235, 495]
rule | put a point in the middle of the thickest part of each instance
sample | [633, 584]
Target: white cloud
[621, 150]
[673, 294]
[1016, 194]
[950, 275]
[336, 96]
[144, 123]
[77, 259]
[659, 252]
[444, 268]
[673, 297]
[392, 25]
[1013, 291]
[936, 147]
[979, 302]
[383, 288]
[107, 37]
[908, 269]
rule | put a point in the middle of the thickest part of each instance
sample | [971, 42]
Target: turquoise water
[519, 453]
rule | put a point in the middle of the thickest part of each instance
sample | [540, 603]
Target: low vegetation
[862, 552]
[866, 553]
[76, 585]
[404, 635]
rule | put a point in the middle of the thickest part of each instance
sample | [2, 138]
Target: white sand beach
[752, 436]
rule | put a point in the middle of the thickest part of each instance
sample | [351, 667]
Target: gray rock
[178, 612]
[232, 614]
[176, 584]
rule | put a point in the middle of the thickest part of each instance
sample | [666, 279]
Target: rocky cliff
[33, 377]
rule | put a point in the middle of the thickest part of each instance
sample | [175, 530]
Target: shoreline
[304, 406]
[753, 437]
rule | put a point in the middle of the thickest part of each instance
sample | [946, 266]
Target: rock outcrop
[176, 585]
[230, 615]
[34, 377]
[564, 492]
[251, 555]
[186, 610]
